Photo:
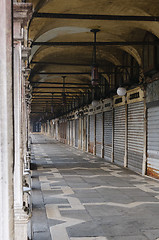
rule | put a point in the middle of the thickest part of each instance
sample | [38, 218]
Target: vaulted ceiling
[70, 21]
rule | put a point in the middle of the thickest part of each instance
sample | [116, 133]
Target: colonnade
[14, 120]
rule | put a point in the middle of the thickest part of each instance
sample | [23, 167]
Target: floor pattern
[77, 196]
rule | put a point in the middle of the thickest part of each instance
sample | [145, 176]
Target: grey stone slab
[128, 237]
[88, 229]
[78, 185]
[74, 179]
[151, 234]
[122, 227]
[92, 200]
[52, 192]
[39, 220]
[144, 199]
[134, 192]
[54, 222]
[103, 210]
[42, 236]
[76, 214]
[51, 200]
[87, 195]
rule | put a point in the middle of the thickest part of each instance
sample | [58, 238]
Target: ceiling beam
[48, 103]
[64, 87]
[49, 98]
[141, 43]
[96, 17]
[65, 73]
[60, 83]
[56, 63]
[62, 92]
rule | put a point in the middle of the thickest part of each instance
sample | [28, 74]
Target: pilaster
[21, 13]
[6, 123]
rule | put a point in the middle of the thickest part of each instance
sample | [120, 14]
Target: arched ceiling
[78, 59]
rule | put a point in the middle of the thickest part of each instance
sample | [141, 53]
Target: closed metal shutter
[68, 132]
[71, 133]
[153, 142]
[88, 133]
[84, 133]
[91, 136]
[119, 135]
[135, 136]
[99, 134]
[86, 144]
[76, 132]
[108, 128]
[81, 133]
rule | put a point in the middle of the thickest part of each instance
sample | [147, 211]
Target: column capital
[25, 52]
[22, 13]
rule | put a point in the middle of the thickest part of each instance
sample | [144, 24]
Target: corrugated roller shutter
[86, 146]
[135, 135]
[81, 133]
[71, 133]
[88, 132]
[76, 132]
[108, 128]
[153, 142]
[68, 132]
[85, 133]
[119, 135]
[99, 134]
[91, 136]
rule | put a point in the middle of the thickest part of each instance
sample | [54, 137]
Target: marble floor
[77, 196]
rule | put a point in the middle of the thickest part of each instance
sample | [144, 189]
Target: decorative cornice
[22, 12]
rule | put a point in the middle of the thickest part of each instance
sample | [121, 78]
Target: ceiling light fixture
[121, 91]
[94, 70]
[63, 93]
[52, 108]
[95, 103]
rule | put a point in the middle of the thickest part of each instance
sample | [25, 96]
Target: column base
[21, 224]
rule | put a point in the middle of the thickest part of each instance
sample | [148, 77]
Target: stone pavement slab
[77, 196]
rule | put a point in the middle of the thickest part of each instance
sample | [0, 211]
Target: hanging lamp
[63, 93]
[94, 70]
[52, 108]
[121, 91]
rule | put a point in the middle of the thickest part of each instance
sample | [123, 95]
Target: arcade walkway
[78, 196]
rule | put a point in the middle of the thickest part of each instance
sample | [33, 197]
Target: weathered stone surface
[77, 199]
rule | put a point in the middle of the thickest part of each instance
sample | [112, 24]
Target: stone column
[21, 13]
[6, 123]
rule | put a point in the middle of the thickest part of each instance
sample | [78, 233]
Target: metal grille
[71, 133]
[153, 142]
[99, 134]
[135, 136]
[81, 133]
[91, 136]
[85, 133]
[68, 132]
[108, 128]
[76, 132]
[119, 135]
[57, 131]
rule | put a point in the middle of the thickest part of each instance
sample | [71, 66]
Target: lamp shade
[94, 103]
[52, 109]
[121, 91]
[94, 76]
